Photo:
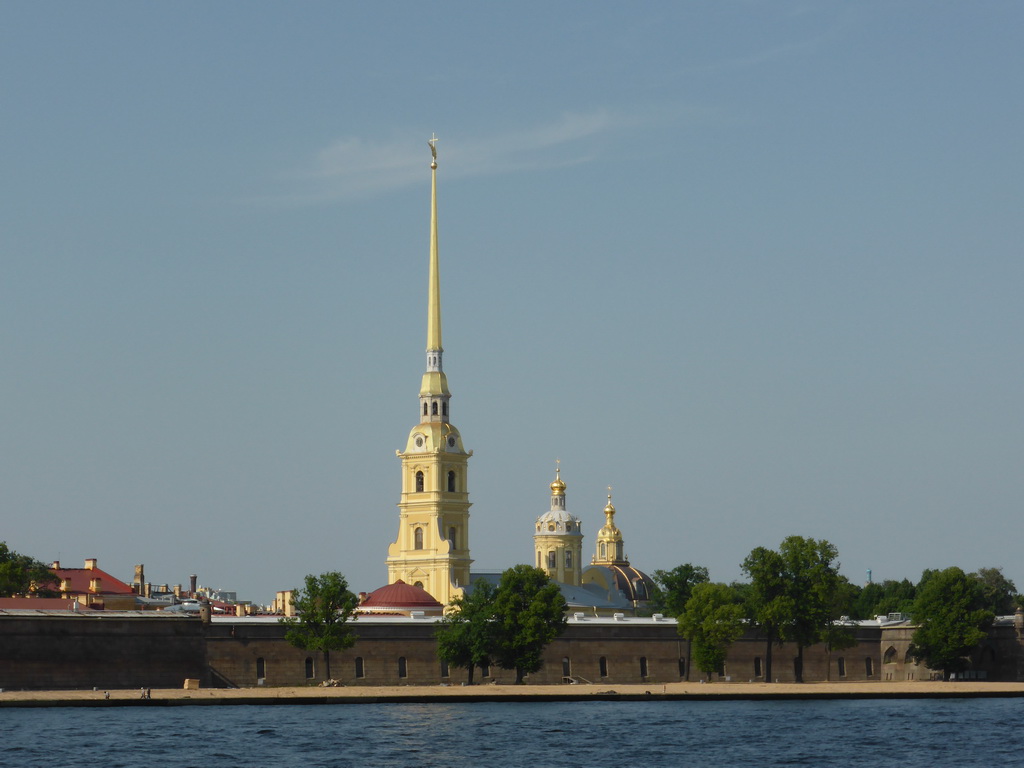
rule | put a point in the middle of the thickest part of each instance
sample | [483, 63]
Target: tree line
[795, 594]
[509, 624]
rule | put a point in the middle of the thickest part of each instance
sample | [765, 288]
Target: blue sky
[757, 265]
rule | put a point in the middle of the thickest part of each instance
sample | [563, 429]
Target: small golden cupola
[558, 538]
[610, 548]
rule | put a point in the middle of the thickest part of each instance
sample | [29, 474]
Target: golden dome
[558, 487]
[610, 509]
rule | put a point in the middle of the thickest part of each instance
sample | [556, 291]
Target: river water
[904, 733]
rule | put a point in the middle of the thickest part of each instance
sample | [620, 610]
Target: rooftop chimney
[90, 564]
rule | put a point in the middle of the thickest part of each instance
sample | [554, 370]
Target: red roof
[79, 580]
[37, 604]
[400, 595]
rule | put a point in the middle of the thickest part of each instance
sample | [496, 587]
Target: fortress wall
[83, 651]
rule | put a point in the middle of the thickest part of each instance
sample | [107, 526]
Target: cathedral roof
[400, 596]
[630, 582]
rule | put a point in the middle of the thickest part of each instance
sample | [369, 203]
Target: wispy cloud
[353, 166]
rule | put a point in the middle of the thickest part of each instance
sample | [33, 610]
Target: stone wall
[84, 651]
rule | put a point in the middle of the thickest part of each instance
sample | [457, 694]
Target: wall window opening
[403, 670]
[359, 667]
[309, 668]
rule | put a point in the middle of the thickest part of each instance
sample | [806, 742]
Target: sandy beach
[523, 693]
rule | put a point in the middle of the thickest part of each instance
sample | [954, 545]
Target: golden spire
[434, 299]
[435, 383]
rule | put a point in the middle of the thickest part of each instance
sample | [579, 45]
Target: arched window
[618, 551]
[551, 526]
[451, 537]
[538, 559]
[568, 527]
[419, 482]
[444, 408]
[890, 655]
[309, 668]
[552, 560]
[568, 558]
[403, 670]
[418, 584]
[359, 667]
[424, 409]
[433, 408]
[451, 481]
[417, 537]
[604, 552]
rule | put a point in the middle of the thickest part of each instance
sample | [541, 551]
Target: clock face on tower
[419, 441]
[451, 441]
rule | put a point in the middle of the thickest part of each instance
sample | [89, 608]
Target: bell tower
[558, 539]
[432, 548]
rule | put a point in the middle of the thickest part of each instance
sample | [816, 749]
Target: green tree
[675, 587]
[999, 593]
[21, 575]
[712, 621]
[322, 613]
[797, 596]
[952, 620]
[816, 593]
[529, 612]
[465, 634]
[768, 604]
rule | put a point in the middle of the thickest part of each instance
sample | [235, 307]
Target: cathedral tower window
[568, 558]
[419, 482]
[451, 482]
[444, 409]
[552, 560]
[433, 409]
[451, 537]
[417, 537]
[424, 409]
[603, 551]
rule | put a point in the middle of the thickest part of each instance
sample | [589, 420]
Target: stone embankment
[524, 693]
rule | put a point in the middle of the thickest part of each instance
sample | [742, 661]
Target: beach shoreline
[684, 691]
